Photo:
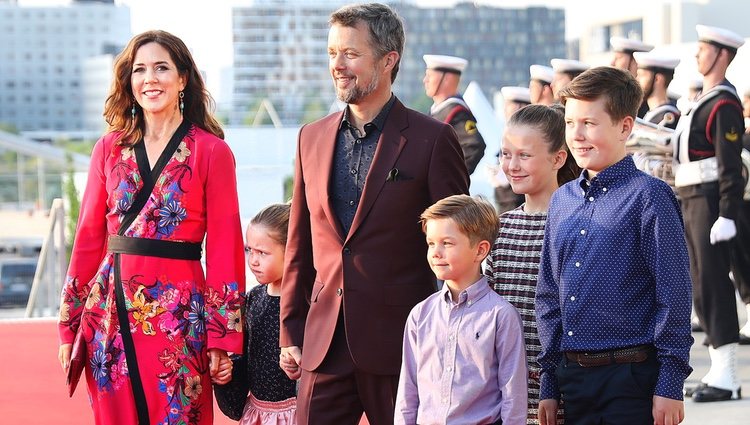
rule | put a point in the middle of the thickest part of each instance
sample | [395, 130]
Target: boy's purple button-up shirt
[464, 362]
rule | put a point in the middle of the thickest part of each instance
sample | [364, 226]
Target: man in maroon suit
[356, 256]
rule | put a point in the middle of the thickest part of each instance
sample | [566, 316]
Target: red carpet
[32, 384]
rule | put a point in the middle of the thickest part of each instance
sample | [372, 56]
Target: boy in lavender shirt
[464, 359]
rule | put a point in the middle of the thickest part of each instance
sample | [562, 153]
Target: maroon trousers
[338, 391]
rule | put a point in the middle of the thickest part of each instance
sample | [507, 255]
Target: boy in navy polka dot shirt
[613, 296]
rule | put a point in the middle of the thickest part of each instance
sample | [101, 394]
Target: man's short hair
[622, 93]
[475, 217]
[386, 28]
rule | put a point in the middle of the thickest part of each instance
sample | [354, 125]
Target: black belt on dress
[154, 248]
[635, 354]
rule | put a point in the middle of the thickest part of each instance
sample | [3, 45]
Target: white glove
[723, 230]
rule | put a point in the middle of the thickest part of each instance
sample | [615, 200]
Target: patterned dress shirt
[614, 273]
[351, 163]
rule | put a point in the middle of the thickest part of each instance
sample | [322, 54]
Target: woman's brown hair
[199, 104]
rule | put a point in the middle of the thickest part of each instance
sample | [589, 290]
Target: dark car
[16, 277]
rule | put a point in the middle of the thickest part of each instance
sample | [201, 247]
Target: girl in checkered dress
[536, 161]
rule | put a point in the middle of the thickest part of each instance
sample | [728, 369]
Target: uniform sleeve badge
[732, 135]
[470, 127]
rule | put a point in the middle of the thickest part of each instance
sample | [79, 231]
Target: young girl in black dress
[260, 393]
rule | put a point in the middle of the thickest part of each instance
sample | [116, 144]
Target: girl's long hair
[199, 104]
[550, 121]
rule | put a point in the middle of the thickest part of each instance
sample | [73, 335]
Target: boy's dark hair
[384, 24]
[275, 218]
[550, 121]
[622, 92]
[475, 217]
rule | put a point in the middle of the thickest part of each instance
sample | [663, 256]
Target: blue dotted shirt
[614, 273]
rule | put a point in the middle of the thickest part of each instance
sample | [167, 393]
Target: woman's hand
[220, 366]
[64, 356]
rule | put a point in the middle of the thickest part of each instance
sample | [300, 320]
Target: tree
[74, 205]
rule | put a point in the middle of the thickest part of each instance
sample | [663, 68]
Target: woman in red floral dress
[162, 141]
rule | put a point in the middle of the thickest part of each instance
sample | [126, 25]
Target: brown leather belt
[602, 358]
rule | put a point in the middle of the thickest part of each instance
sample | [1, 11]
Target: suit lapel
[390, 144]
[325, 149]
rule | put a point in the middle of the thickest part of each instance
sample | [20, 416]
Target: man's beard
[356, 93]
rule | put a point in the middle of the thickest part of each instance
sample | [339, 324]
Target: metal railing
[44, 298]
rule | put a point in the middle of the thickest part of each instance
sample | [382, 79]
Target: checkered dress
[512, 269]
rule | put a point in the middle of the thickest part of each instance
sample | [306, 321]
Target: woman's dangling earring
[132, 112]
[182, 102]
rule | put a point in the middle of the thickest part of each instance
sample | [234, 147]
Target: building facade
[661, 23]
[279, 51]
[42, 57]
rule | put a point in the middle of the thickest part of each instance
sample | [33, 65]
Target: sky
[206, 25]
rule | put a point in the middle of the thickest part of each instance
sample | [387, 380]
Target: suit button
[347, 251]
[339, 292]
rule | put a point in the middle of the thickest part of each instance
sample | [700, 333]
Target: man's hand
[64, 356]
[289, 361]
[548, 412]
[667, 411]
[220, 366]
[723, 230]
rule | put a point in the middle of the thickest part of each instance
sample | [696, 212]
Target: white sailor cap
[541, 73]
[719, 36]
[629, 45]
[568, 65]
[655, 61]
[516, 94]
[445, 63]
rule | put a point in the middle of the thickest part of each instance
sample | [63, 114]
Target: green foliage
[252, 110]
[84, 147]
[288, 187]
[74, 205]
[314, 109]
[422, 104]
[9, 128]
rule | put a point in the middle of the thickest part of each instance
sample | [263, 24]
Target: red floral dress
[175, 310]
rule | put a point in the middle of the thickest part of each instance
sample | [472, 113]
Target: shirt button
[339, 292]
[570, 333]
[604, 189]
[578, 264]
[353, 171]
[583, 231]
[449, 368]
[351, 203]
[591, 198]
[572, 297]
[359, 141]
[347, 251]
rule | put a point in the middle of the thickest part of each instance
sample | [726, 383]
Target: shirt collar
[610, 175]
[469, 295]
[379, 120]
